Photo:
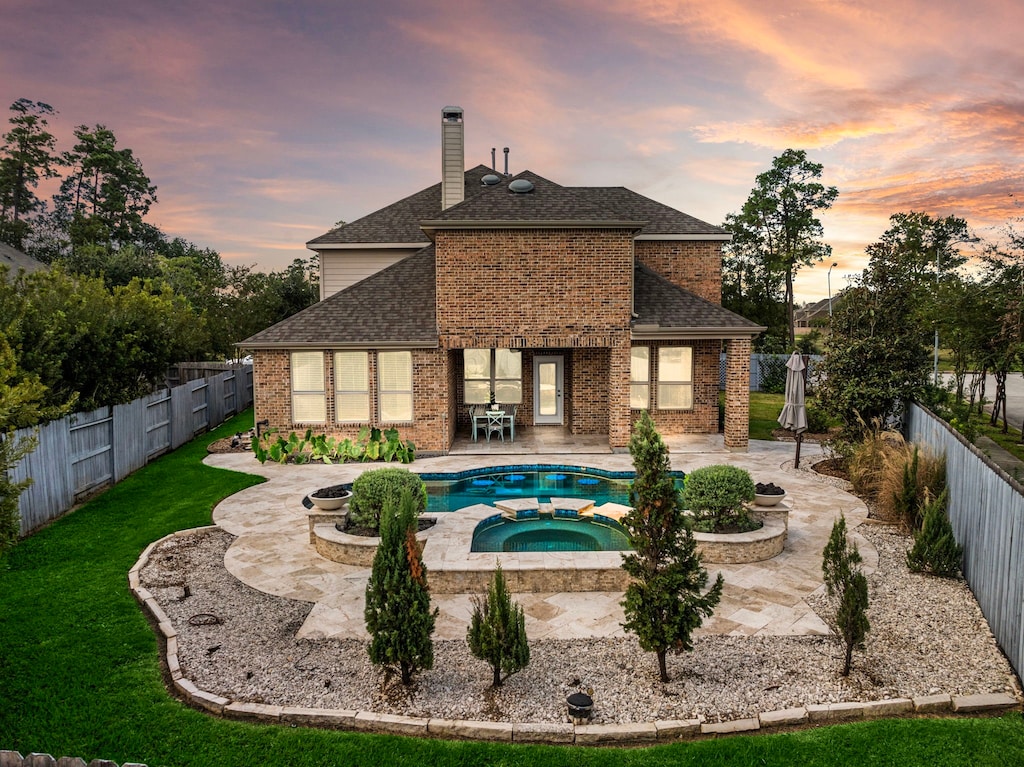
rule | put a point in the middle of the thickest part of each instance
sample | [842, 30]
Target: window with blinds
[352, 387]
[309, 395]
[394, 386]
[675, 378]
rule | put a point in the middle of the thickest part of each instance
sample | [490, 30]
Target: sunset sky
[263, 123]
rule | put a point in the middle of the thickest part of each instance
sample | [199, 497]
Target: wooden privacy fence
[986, 509]
[85, 451]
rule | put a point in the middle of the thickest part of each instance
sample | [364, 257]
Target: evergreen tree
[497, 630]
[398, 614]
[665, 601]
[844, 580]
[935, 549]
[26, 156]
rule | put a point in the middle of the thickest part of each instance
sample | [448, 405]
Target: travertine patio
[272, 552]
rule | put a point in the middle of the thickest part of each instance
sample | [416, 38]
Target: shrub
[870, 455]
[664, 602]
[716, 496]
[11, 451]
[935, 549]
[372, 490]
[845, 582]
[398, 615]
[817, 419]
[497, 631]
[908, 479]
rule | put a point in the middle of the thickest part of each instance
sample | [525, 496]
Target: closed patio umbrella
[794, 412]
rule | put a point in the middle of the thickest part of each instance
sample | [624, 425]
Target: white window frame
[295, 361]
[364, 392]
[493, 379]
[383, 393]
[639, 383]
[664, 384]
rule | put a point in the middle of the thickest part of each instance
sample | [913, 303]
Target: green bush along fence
[83, 452]
[986, 509]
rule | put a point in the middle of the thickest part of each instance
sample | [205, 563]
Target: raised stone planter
[755, 546]
[332, 544]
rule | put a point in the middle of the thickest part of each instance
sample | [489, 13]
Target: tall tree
[778, 221]
[103, 199]
[665, 602]
[26, 157]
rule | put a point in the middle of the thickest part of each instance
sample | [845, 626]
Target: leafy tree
[777, 230]
[26, 157]
[844, 581]
[665, 601]
[497, 631]
[750, 287]
[398, 614]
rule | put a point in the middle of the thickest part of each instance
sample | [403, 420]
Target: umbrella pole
[799, 440]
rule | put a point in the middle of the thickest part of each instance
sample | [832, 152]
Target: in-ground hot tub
[562, 531]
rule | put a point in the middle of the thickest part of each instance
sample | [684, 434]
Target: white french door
[548, 375]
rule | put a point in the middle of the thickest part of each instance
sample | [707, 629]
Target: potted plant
[768, 494]
[331, 498]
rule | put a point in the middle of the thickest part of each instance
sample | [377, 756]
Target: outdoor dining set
[494, 419]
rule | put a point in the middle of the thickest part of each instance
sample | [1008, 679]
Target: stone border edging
[643, 733]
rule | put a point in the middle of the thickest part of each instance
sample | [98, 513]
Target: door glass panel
[548, 392]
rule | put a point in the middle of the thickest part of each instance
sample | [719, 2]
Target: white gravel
[927, 636]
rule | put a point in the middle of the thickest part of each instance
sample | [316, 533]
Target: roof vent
[521, 186]
[490, 179]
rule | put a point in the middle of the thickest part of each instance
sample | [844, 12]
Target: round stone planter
[768, 500]
[332, 544]
[740, 548]
[325, 503]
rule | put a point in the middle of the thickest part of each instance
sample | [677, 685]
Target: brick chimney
[453, 161]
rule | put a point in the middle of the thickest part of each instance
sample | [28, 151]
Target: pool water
[562, 533]
[449, 492]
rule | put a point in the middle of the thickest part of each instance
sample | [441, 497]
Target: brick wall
[737, 394]
[695, 265]
[430, 430]
[587, 391]
[541, 287]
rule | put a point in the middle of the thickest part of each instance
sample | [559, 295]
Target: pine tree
[665, 601]
[935, 549]
[398, 614]
[844, 580]
[497, 631]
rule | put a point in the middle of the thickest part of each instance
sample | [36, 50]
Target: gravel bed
[927, 636]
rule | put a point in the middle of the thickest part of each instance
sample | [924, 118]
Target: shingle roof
[14, 260]
[394, 306]
[548, 202]
[663, 308]
[400, 221]
[661, 219]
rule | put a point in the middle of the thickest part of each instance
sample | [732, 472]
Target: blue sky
[263, 123]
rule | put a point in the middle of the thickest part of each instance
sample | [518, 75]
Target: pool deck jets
[273, 553]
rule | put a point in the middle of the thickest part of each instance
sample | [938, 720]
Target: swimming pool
[449, 492]
[565, 531]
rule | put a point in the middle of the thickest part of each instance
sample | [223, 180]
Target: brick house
[581, 306]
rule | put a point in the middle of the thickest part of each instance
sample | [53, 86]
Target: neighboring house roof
[14, 260]
[812, 311]
[394, 307]
[664, 310]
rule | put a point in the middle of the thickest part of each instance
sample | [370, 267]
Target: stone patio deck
[272, 552]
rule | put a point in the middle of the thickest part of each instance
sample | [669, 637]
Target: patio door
[548, 374]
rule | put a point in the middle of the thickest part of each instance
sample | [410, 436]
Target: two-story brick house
[579, 305]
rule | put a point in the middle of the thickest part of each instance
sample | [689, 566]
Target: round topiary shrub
[716, 496]
[372, 489]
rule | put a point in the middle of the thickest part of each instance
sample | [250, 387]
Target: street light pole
[830, 289]
[935, 374]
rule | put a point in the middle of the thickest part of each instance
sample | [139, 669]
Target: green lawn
[79, 671]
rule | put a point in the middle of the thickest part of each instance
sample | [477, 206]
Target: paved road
[1014, 397]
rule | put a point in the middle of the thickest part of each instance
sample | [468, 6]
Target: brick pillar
[619, 426]
[737, 394]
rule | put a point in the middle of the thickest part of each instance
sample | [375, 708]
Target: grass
[80, 676]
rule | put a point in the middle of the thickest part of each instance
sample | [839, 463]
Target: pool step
[614, 511]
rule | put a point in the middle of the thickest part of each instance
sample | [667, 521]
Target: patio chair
[477, 418]
[496, 423]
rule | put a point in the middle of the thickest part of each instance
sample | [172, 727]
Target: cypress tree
[665, 602]
[398, 614]
[497, 630]
[844, 580]
[935, 549]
